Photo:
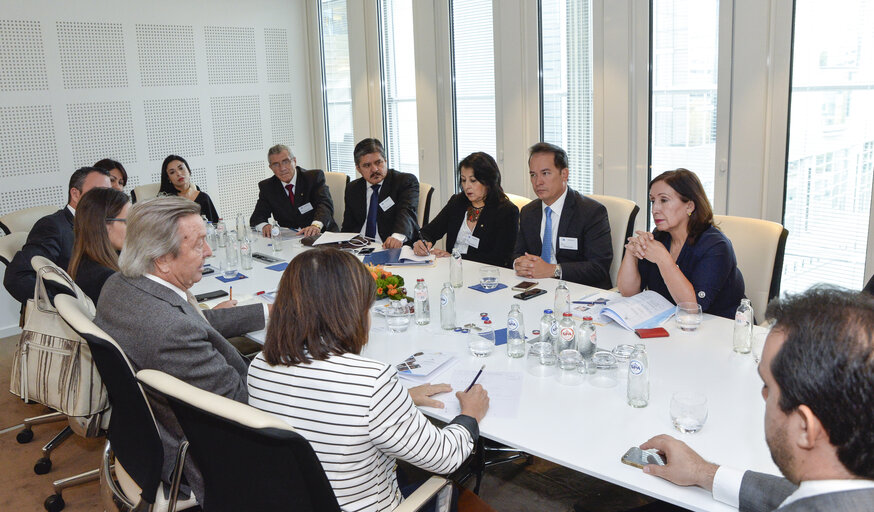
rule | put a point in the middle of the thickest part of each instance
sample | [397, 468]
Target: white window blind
[831, 145]
[399, 85]
[684, 43]
[337, 85]
[473, 65]
[566, 84]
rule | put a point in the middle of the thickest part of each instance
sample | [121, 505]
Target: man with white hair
[148, 310]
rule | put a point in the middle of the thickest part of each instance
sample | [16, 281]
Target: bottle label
[422, 295]
[512, 324]
[635, 367]
[553, 329]
[567, 334]
[740, 318]
[593, 338]
[444, 299]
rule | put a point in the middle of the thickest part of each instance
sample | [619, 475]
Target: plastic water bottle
[275, 236]
[488, 330]
[210, 234]
[423, 307]
[638, 377]
[447, 307]
[455, 276]
[241, 227]
[221, 233]
[587, 338]
[515, 332]
[246, 253]
[743, 327]
[567, 336]
[562, 299]
[548, 327]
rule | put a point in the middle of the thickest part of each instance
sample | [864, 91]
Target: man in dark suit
[51, 236]
[818, 372]
[297, 198]
[149, 311]
[562, 234]
[381, 204]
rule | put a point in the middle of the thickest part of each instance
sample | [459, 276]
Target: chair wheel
[43, 466]
[54, 503]
[25, 436]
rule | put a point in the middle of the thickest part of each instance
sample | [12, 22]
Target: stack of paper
[402, 256]
[421, 367]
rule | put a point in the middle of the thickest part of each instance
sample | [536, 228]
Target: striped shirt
[358, 419]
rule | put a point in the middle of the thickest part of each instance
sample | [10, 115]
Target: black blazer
[582, 219]
[496, 229]
[52, 237]
[90, 276]
[403, 188]
[310, 188]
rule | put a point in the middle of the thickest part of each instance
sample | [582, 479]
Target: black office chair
[133, 437]
[250, 459]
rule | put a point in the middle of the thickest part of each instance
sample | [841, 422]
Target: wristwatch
[557, 272]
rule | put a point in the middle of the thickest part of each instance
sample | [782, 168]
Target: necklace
[473, 213]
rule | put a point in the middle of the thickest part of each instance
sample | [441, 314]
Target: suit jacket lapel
[567, 214]
[161, 292]
[68, 215]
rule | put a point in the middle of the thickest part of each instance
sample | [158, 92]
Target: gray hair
[279, 148]
[152, 232]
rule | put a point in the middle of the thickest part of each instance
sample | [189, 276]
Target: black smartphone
[263, 258]
[366, 250]
[203, 297]
[207, 271]
[529, 294]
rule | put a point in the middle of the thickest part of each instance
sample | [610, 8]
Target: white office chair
[143, 192]
[337, 182]
[759, 246]
[11, 244]
[621, 214]
[519, 201]
[23, 220]
[423, 211]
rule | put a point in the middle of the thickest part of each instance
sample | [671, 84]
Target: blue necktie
[546, 253]
[370, 230]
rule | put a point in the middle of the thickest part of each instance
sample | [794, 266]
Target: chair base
[26, 435]
[55, 502]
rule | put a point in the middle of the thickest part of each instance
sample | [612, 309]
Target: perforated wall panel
[238, 187]
[27, 139]
[230, 55]
[22, 58]
[92, 54]
[101, 130]
[282, 119]
[166, 55]
[173, 127]
[236, 123]
[13, 200]
[276, 47]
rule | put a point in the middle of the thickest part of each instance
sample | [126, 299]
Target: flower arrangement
[388, 285]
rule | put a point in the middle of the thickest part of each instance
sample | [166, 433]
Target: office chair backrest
[337, 182]
[519, 201]
[23, 220]
[11, 244]
[250, 460]
[423, 210]
[133, 432]
[145, 192]
[621, 213]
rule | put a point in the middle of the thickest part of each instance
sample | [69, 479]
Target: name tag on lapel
[566, 242]
[473, 241]
[309, 206]
[386, 203]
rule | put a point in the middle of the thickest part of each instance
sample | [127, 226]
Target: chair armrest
[423, 494]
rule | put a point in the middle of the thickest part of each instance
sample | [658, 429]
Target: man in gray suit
[817, 370]
[149, 311]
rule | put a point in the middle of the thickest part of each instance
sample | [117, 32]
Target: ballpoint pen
[480, 372]
[590, 302]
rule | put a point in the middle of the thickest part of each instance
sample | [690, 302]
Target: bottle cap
[420, 280]
[566, 313]
[487, 321]
[587, 318]
[483, 315]
[547, 311]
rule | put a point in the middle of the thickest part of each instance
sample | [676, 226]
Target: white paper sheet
[504, 389]
[333, 238]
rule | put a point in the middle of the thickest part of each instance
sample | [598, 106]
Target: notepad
[422, 366]
[402, 256]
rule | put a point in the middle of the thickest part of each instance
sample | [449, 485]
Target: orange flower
[373, 274]
[392, 291]
[391, 286]
[387, 274]
[379, 291]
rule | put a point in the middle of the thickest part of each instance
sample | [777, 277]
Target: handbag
[52, 364]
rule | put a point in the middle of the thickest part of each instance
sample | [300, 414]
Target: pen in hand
[480, 372]
[231, 293]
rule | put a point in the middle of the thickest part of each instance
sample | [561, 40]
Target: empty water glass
[569, 361]
[688, 411]
[758, 344]
[488, 277]
[606, 370]
[480, 346]
[541, 359]
[397, 316]
[689, 316]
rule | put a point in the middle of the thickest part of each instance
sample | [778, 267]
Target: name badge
[473, 241]
[566, 242]
[386, 203]
[305, 208]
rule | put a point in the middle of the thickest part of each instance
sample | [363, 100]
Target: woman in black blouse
[99, 227]
[480, 221]
[176, 181]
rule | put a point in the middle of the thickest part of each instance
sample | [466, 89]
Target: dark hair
[827, 364]
[687, 185]
[77, 179]
[486, 171]
[110, 164]
[89, 226]
[167, 185]
[559, 156]
[366, 147]
[321, 308]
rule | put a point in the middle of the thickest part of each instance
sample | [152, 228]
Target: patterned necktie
[546, 253]
[370, 230]
[290, 189]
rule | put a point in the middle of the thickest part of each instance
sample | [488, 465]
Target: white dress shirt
[556, 208]
[727, 482]
[462, 241]
[293, 183]
[368, 194]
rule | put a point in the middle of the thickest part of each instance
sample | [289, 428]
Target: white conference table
[581, 427]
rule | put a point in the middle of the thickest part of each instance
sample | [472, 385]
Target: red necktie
[290, 189]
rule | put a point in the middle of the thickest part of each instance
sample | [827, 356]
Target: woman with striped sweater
[353, 411]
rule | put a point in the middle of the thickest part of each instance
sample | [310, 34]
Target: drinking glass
[488, 277]
[231, 262]
[688, 411]
[689, 316]
[541, 359]
[480, 346]
[397, 316]
[569, 361]
[606, 370]
[758, 344]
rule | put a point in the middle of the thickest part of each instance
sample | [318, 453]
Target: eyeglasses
[115, 219]
[284, 163]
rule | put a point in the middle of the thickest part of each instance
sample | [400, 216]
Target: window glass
[399, 86]
[337, 84]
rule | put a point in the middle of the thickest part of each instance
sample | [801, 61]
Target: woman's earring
[690, 214]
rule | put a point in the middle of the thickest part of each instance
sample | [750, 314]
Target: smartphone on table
[529, 294]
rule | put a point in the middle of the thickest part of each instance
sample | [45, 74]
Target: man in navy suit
[382, 203]
[297, 198]
[52, 235]
[562, 233]
[817, 370]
